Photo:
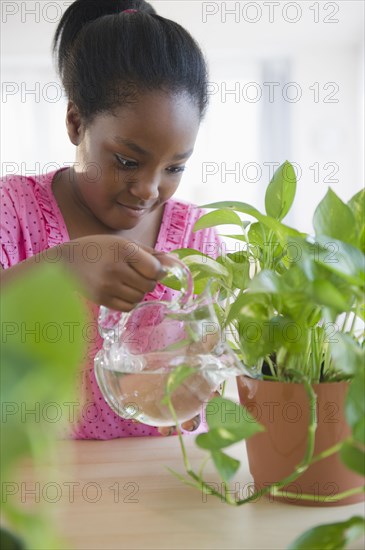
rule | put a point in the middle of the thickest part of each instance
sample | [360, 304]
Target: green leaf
[236, 207]
[281, 191]
[289, 292]
[267, 281]
[291, 334]
[218, 217]
[355, 406]
[358, 431]
[257, 235]
[347, 356]
[340, 258]
[206, 265]
[282, 231]
[251, 304]
[200, 283]
[325, 293]
[331, 536]
[202, 268]
[219, 438]
[9, 541]
[226, 465]
[44, 320]
[261, 333]
[241, 238]
[240, 268]
[334, 218]
[357, 205]
[171, 282]
[43, 351]
[362, 239]
[228, 423]
[182, 253]
[222, 412]
[353, 456]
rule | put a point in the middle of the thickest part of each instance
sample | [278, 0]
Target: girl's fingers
[193, 424]
[167, 430]
[189, 426]
[133, 279]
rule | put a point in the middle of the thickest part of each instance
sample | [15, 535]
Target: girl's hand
[113, 272]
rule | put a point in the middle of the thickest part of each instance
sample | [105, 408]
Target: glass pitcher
[143, 347]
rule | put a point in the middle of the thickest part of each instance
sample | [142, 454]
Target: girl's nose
[145, 190]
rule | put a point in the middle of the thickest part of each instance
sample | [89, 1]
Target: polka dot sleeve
[30, 220]
[11, 234]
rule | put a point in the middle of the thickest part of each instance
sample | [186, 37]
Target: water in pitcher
[139, 395]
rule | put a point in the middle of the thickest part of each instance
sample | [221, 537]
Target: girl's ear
[74, 124]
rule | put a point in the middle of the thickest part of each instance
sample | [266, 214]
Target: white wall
[238, 132]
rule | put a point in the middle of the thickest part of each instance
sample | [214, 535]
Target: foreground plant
[38, 367]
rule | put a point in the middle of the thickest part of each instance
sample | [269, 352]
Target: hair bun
[81, 12]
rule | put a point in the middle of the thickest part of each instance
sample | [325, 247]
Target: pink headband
[129, 11]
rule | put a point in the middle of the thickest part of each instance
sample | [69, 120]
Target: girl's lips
[132, 211]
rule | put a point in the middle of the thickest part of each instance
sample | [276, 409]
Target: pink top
[31, 222]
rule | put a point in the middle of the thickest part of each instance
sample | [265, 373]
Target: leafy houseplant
[292, 305]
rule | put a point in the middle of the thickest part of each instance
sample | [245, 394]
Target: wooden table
[118, 494]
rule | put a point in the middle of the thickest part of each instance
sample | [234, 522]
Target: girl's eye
[132, 164]
[176, 169]
[125, 163]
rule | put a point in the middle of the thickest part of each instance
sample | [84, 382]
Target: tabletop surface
[119, 494]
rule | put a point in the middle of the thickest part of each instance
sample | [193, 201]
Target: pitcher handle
[109, 318]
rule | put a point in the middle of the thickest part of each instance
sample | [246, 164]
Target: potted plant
[292, 305]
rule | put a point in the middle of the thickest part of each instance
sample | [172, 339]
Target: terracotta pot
[283, 408]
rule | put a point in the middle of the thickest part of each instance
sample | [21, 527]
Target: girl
[136, 85]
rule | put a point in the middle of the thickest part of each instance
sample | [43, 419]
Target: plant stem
[320, 498]
[328, 452]
[308, 357]
[353, 322]
[227, 495]
[270, 256]
[183, 449]
[348, 313]
[203, 466]
[327, 357]
[314, 357]
[209, 489]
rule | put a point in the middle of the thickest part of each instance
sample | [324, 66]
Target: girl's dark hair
[105, 57]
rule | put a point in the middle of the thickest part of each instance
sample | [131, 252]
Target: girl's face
[130, 164]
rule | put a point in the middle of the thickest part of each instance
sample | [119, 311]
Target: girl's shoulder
[177, 229]
[17, 187]
[177, 223]
[30, 217]
[29, 190]
[181, 212]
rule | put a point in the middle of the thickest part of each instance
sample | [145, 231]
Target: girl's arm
[112, 271]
